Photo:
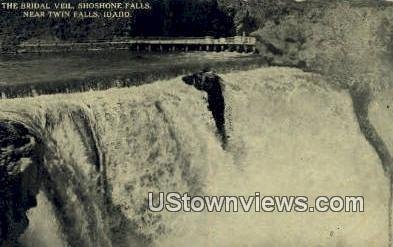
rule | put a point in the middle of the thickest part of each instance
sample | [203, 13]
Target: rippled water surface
[60, 67]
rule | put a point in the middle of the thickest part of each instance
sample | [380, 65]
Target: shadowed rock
[19, 179]
[212, 85]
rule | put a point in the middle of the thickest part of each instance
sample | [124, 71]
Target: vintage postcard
[219, 123]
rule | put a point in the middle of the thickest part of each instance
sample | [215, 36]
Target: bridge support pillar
[149, 48]
[222, 48]
[186, 48]
[161, 48]
[137, 48]
[173, 48]
[207, 48]
[200, 48]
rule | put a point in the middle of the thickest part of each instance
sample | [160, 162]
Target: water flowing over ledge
[288, 133]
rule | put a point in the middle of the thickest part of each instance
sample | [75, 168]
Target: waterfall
[288, 134]
[104, 151]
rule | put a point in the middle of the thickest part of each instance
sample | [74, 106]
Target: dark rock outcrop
[20, 161]
[212, 85]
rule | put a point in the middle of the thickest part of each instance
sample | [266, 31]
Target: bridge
[151, 44]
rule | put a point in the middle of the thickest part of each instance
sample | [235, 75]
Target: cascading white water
[107, 150]
[288, 135]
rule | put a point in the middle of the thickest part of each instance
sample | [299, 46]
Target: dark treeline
[184, 18]
[166, 18]
[216, 18]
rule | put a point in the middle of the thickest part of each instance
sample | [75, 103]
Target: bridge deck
[209, 43]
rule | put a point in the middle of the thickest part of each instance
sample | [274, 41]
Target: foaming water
[288, 135]
[106, 150]
[292, 136]
[44, 229]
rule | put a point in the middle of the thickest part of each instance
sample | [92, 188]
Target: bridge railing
[237, 40]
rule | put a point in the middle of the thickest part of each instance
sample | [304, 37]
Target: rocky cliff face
[311, 35]
[20, 168]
